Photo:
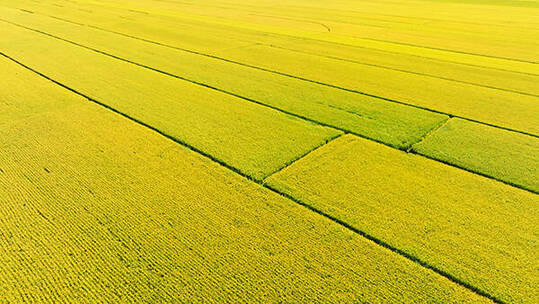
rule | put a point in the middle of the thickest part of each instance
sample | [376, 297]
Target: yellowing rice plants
[460, 210]
[394, 124]
[298, 151]
[176, 104]
[506, 109]
[148, 220]
[498, 153]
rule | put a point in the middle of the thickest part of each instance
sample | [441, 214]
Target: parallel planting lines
[347, 40]
[463, 224]
[396, 125]
[140, 218]
[486, 106]
[502, 155]
[138, 121]
[452, 51]
[371, 238]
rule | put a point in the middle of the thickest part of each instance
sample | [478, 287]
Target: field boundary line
[372, 39]
[412, 150]
[361, 233]
[314, 121]
[451, 164]
[258, 68]
[405, 148]
[135, 120]
[300, 157]
[294, 37]
[405, 71]
[390, 247]
[430, 132]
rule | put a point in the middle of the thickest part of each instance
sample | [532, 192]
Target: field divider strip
[265, 70]
[135, 120]
[406, 71]
[431, 131]
[361, 233]
[372, 39]
[405, 149]
[295, 37]
[293, 161]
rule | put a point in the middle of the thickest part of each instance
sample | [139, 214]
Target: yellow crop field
[176, 103]
[459, 210]
[242, 151]
[97, 208]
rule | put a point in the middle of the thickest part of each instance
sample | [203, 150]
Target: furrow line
[261, 69]
[174, 139]
[363, 234]
[405, 71]
[295, 37]
[208, 86]
[390, 247]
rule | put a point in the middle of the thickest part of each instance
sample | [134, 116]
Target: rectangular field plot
[433, 68]
[96, 208]
[491, 39]
[506, 107]
[479, 230]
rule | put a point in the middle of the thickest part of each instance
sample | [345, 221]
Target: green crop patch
[96, 208]
[252, 138]
[504, 155]
[393, 124]
[477, 229]
[503, 108]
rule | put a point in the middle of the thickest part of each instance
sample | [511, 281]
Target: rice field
[240, 151]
